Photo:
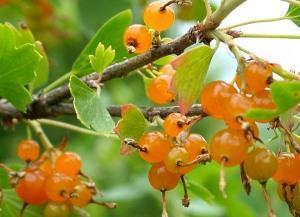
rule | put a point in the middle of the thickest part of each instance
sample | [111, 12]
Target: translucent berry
[263, 99]
[238, 82]
[176, 157]
[53, 209]
[288, 169]
[158, 18]
[260, 164]
[137, 39]
[158, 90]
[167, 70]
[213, 97]
[195, 145]
[31, 188]
[81, 196]
[161, 179]
[174, 124]
[229, 147]
[28, 150]
[156, 147]
[59, 187]
[257, 76]
[68, 163]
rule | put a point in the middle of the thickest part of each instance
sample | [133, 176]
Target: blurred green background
[64, 28]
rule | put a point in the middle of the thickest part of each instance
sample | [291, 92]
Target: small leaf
[191, 68]
[89, 107]
[285, 95]
[132, 125]
[110, 34]
[17, 67]
[293, 14]
[102, 58]
[200, 191]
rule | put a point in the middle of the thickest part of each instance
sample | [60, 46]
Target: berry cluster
[53, 179]
[139, 38]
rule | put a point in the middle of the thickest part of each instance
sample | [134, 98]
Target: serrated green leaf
[110, 34]
[293, 14]
[102, 58]
[285, 95]
[133, 123]
[17, 67]
[191, 68]
[200, 191]
[11, 206]
[89, 107]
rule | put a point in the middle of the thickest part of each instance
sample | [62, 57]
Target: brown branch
[9, 111]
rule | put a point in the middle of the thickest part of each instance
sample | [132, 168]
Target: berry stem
[134, 144]
[6, 168]
[203, 158]
[61, 80]
[28, 132]
[164, 204]
[208, 8]
[267, 199]
[253, 22]
[107, 205]
[25, 205]
[40, 133]
[185, 200]
[245, 179]
[74, 128]
[277, 36]
[222, 182]
[293, 2]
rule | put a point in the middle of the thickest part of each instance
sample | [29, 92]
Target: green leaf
[89, 107]
[285, 95]
[200, 191]
[102, 58]
[191, 68]
[17, 67]
[164, 60]
[110, 34]
[11, 206]
[293, 14]
[132, 125]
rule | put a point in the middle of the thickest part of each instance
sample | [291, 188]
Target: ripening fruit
[177, 155]
[288, 169]
[257, 76]
[81, 196]
[53, 209]
[238, 82]
[174, 124]
[31, 188]
[161, 179]
[157, 147]
[158, 19]
[167, 70]
[229, 145]
[260, 164]
[158, 90]
[28, 150]
[59, 187]
[213, 97]
[137, 39]
[263, 99]
[195, 145]
[68, 163]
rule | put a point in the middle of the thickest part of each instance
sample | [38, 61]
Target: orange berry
[158, 19]
[229, 145]
[174, 124]
[59, 186]
[81, 196]
[167, 70]
[257, 76]
[161, 179]
[156, 145]
[261, 164]
[28, 150]
[263, 99]
[158, 90]
[239, 84]
[68, 163]
[213, 97]
[137, 39]
[288, 169]
[177, 155]
[31, 187]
